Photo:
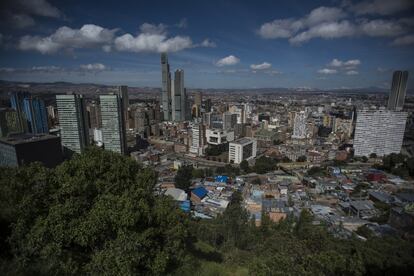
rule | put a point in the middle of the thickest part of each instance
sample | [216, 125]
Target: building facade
[23, 149]
[398, 90]
[242, 149]
[299, 125]
[73, 123]
[166, 88]
[113, 125]
[379, 131]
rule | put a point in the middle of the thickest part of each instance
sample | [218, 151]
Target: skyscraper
[113, 125]
[166, 88]
[379, 131]
[398, 90]
[180, 97]
[123, 94]
[73, 123]
[31, 111]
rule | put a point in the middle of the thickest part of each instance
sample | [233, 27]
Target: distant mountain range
[90, 88]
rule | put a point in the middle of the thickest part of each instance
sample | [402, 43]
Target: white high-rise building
[379, 131]
[242, 149]
[197, 146]
[299, 125]
[113, 125]
[73, 123]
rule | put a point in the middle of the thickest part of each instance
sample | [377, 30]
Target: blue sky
[219, 44]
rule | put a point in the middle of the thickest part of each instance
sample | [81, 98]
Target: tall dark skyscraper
[32, 113]
[180, 97]
[166, 88]
[123, 94]
[398, 90]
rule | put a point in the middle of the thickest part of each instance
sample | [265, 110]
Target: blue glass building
[31, 111]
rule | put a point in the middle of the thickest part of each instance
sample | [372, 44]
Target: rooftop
[26, 138]
[242, 141]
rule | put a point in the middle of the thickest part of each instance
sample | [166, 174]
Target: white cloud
[88, 36]
[285, 28]
[330, 23]
[379, 27]
[229, 60]
[262, 66]
[39, 7]
[382, 7]
[352, 72]
[153, 29]
[93, 67]
[325, 30]
[327, 71]
[280, 28]
[208, 43]
[146, 42]
[324, 14]
[404, 40]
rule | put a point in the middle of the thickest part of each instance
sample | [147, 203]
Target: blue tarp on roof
[185, 206]
[200, 192]
[222, 178]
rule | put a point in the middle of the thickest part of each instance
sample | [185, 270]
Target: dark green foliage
[301, 158]
[215, 150]
[257, 181]
[229, 170]
[398, 164]
[183, 177]
[316, 171]
[264, 164]
[244, 166]
[94, 214]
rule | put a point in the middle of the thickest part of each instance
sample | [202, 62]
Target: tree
[244, 166]
[373, 155]
[364, 159]
[257, 181]
[301, 158]
[94, 214]
[183, 177]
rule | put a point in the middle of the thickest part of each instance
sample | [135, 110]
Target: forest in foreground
[98, 214]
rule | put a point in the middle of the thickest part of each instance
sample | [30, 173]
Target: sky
[219, 44]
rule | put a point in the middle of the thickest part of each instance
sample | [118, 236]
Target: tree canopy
[94, 214]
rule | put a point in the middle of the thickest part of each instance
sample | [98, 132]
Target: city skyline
[318, 44]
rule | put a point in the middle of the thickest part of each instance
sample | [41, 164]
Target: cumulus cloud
[88, 36]
[285, 28]
[153, 29]
[280, 28]
[208, 43]
[325, 30]
[262, 66]
[229, 60]
[20, 13]
[147, 42]
[327, 71]
[93, 67]
[330, 23]
[352, 72]
[347, 64]
[379, 27]
[382, 7]
[404, 40]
